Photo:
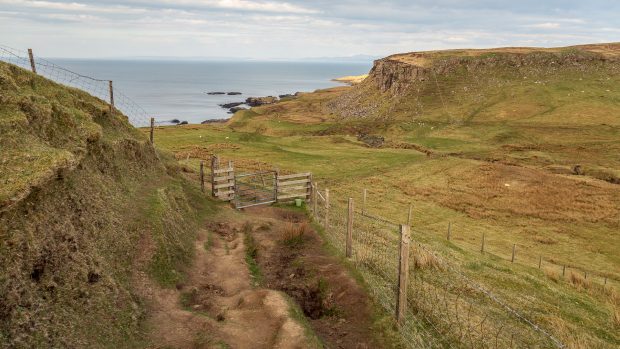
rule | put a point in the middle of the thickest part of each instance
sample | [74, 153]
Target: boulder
[183, 123]
[371, 141]
[214, 121]
[230, 105]
[257, 101]
[236, 109]
[288, 95]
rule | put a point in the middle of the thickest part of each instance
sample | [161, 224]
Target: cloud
[297, 28]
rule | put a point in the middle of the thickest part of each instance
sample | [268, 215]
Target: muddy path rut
[224, 305]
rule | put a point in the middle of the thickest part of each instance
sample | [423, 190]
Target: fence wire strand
[98, 88]
[445, 308]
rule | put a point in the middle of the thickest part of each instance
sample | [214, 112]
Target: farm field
[539, 174]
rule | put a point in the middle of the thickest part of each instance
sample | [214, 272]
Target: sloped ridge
[45, 129]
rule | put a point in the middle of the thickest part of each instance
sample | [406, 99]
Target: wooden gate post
[152, 130]
[449, 230]
[326, 210]
[276, 188]
[349, 241]
[32, 65]
[512, 260]
[482, 245]
[202, 175]
[315, 198]
[231, 181]
[403, 274]
[111, 97]
[214, 166]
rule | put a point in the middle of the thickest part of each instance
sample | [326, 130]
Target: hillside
[81, 191]
[518, 145]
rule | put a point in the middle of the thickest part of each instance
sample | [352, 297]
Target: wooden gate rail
[294, 186]
[223, 183]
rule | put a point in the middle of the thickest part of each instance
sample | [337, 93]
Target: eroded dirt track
[222, 305]
[218, 307]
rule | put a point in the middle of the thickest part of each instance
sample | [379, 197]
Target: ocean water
[178, 89]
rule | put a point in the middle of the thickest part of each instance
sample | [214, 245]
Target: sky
[295, 29]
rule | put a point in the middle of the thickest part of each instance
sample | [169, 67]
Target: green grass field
[494, 152]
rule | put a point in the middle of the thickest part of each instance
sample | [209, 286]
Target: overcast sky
[295, 29]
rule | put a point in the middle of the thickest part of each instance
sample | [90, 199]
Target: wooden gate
[252, 189]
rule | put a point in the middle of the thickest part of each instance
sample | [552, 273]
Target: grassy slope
[81, 191]
[503, 148]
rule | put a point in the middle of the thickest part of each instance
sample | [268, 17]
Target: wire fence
[100, 88]
[444, 307]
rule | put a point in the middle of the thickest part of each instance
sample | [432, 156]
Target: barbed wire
[96, 87]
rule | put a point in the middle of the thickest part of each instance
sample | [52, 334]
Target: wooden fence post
[539, 261]
[482, 245]
[349, 241]
[231, 181]
[409, 215]
[403, 274]
[202, 175]
[326, 210]
[309, 190]
[512, 260]
[152, 129]
[315, 198]
[32, 65]
[214, 166]
[563, 270]
[605, 282]
[277, 189]
[449, 230]
[111, 97]
[364, 202]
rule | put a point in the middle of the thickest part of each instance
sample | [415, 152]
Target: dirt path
[218, 307]
[223, 306]
[293, 259]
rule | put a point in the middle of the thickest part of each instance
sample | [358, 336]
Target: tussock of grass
[293, 234]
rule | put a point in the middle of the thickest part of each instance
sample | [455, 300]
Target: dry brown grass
[423, 259]
[552, 274]
[294, 233]
[579, 281]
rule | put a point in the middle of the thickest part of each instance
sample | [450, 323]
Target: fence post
[276, 186]
[111, 97]
[309, 190]
[409, 215]
[32, 65]
[231, 181]
[349, 242]
[315, 198]
[539, 261]
[202, 173]
[449, 230]
[403, 274]
[482, 245]
[152, 129]
[364, 202]
[605, 282]
[214, 165]
[563, 270]
[512, 260]
[326, 210]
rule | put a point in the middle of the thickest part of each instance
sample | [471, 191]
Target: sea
[170, 90]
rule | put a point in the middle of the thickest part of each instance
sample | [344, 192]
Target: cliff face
[451, 76]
